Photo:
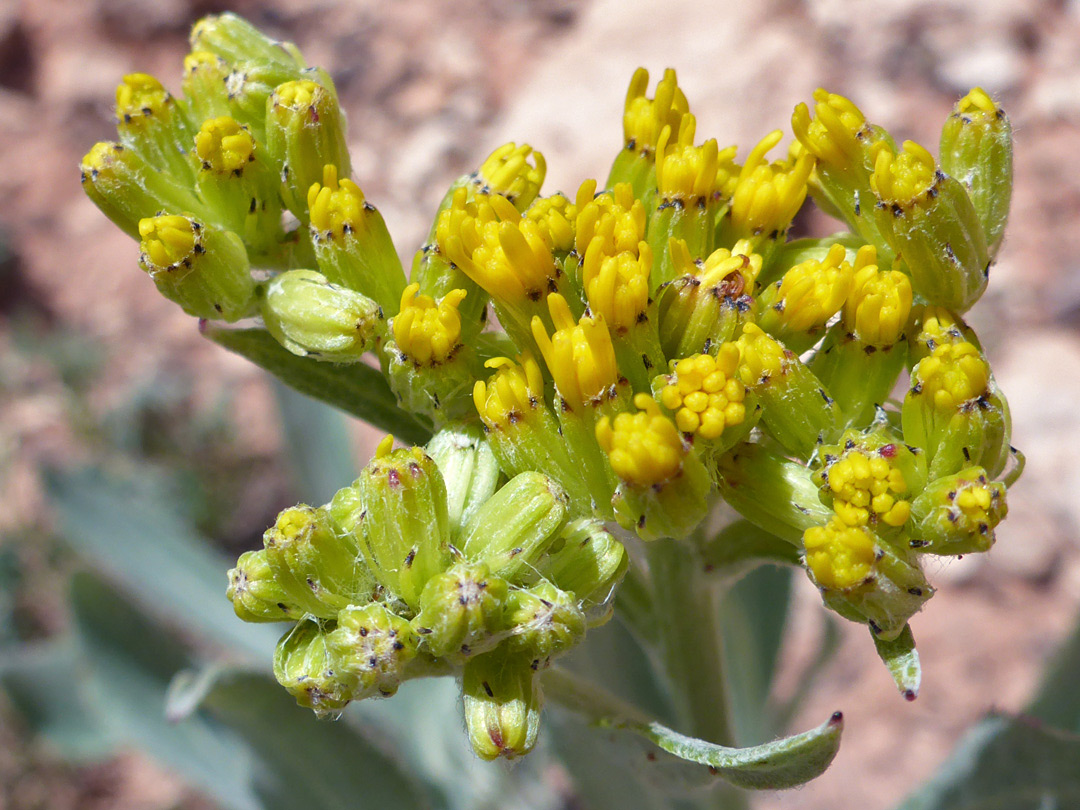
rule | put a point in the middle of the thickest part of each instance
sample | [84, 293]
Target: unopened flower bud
[402, 523]
[586, 560]
[977, 149]
[309, 316]
[150, 121]
[663, 483]
[863, 578]
[709, 301]
[502, 706]
[202, 268]
[311, 671]
[469, 470]
[461, 612]
[373, 647]
[771, 491]
[305, 130]
[127, 189]
[255, 593]
[204, 86]
[544, 622]
[352, 244]
[234, 39]
[957, 514]
[955, 411]
[514, 528]
[797, 410]
[306, 553]
[933, 226]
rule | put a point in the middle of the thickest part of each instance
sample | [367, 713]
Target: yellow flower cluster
[705, 394]
[644, 448]
[428, 333]
[336, 206]
[687, 172]
[224, 146]
[169, 240]
[864, 486]
[877, 310]
[508, 173]
[768, 195]
[904, 177]
[833, 135]
[811, 292]
[953, 374]
[579, 354]
[645, 118]
[140, 97]
[514, 392]
[839, 556]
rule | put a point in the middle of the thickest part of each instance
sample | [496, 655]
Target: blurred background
[96, 368]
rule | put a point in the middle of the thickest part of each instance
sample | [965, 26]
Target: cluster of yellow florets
[953, 374]
[866, 488]
[704, 393]
[644, 448]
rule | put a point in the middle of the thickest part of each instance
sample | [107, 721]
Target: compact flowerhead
[809, 294]
[878, 306]
[705, 394]
[579, 355]
[618, 286]
[957, 514]
[644, 448]
[768, 195]
[139, 98]
[953, 375]
[644, 118]
[224, 146]
[428, 332]
[686, 172]
[835, 134]
[615, 216]
[839, 555]
[901, 179]
[508, 173]
[336, 206]
[865, 485]
[512, 394]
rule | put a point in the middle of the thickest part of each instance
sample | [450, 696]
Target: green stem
[690, 640]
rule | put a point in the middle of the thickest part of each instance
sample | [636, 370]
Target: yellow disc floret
[976, 102]
[336, 207]
[645, 118]
[511, 394]
[617, 286]
[224, 146]
[168, 241]
[763, 358]
[768, 195]
[705, 394]
[554, 217]
[140, 97]
[813, 291]
[838, 555]
[954, 374]
[865, 488]
[428, 333]
[902, 179]
[579, 354]
[616, 216]
[644, 448]
[496, 247]
[833, 136]
[688, 172]
[507, 172]
[298, 95]
[878, 307]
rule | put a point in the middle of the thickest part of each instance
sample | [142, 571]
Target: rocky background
[430, 88]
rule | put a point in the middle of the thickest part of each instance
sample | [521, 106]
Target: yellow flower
[615, 216]
[512, 394]
[705, 394]
[902, 179]
[336, 207]
[617, 286]
[645, 118]
[834, 135]
[839, 556]
[812, 292]
[768, 195]
[224, 146]
[579, 354]
[879, 305]
[508, 173]
[644, 448]
[953, 374]
[140, 97]
[685, 171]
[427, 332]
[865, 487]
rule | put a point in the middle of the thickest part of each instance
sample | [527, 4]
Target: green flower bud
[502, 706]
[977, 149]
[589, 562]
[955, 411]
[234, 39]
[469, 470]
[373, 647]
[352, 245]
[933, 227]
[202, 268]
[864, 578]
[544, 622]
[204, 86]
[708, 302]
[461, 612]
[150, 121]
[255, 593]
[305, 551]
[957, 514]
[311, 671]
[127, 189]
[798, 411]
[514, 528]
[771, 491]
[309, 316]
[402, 522]
[235, 181]
[305, 130]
